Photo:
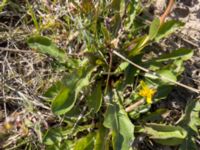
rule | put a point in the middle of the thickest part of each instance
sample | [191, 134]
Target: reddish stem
[167, 11]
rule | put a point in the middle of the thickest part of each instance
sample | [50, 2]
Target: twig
[189, 41]
[16, 50]
[135, 105]
[155, 74]
[3, 90]
[191, 79]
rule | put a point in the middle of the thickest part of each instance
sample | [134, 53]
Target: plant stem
[134, 105]
[167, 11]
[155, 74]
[109, 71]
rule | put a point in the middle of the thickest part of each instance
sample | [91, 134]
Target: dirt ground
[188, 11]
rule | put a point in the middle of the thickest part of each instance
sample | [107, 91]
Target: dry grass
[24, 74]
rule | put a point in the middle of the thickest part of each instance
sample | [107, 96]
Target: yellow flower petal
[146, 92]
[149, 99]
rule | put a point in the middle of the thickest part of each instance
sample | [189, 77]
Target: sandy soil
[188, 11]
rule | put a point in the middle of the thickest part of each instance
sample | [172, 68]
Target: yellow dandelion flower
[146, 92]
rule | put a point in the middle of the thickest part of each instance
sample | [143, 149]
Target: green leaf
[122, 128]
[163, 86]
[164, 134]
[162, 73]
[191, 116]
[182, 53]
[168, 74]
[106, 33]
[154, 116]
[102, 139]
[167, 28]
[174, 61]
[46, 46]
[116, 4]
[53, 137]
[54, 89]
[154, 28]
[177, 67]
[190, 121]
[132, 11]
[63, 102]
[85, 143]
[66, 99]
[141, 42]
[95, 99]
[189, 144]
[162, 92]
[3, 4]
[121, 67]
